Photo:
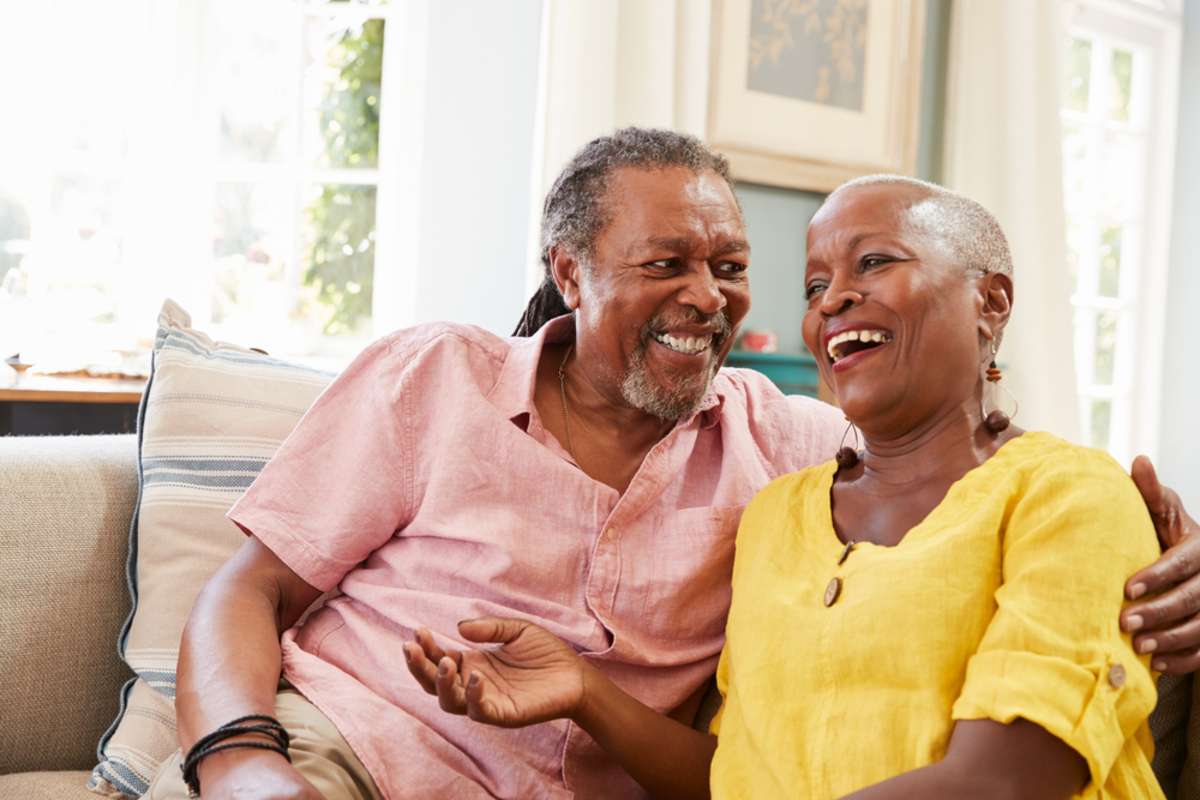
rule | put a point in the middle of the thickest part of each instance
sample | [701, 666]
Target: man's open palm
[533, 676]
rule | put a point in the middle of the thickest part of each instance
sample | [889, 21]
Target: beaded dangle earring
[847, 457]
[996, 421]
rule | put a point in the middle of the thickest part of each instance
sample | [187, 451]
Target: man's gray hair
[973, 234]
[575, 212]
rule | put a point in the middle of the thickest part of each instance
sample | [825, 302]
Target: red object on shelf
[760, 341]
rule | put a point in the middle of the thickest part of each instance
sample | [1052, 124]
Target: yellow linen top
[1001, 604]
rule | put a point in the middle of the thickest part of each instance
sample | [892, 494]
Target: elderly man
[588, 478]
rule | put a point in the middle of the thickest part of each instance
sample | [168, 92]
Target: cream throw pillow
[212, 415]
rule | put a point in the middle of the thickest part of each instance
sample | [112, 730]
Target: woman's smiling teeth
[691, 345]
[849, 342]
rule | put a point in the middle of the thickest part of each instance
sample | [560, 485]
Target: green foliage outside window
[342, 217]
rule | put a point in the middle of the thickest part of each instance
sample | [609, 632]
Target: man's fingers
[1147, 483]
[1178, 603]
[1177, 640]
[1174, 566]
[1183, 663]
[424, 670]
[452, 696]
[500, 630]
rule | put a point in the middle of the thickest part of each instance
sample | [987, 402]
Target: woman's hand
[1167, 625]
[532, 677]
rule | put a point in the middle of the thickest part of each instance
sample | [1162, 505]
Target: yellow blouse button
[832, 591]
[1116, 676]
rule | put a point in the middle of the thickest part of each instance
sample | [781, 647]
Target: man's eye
[662, 264]
[813, 290]
[870, 262]
[732, 268]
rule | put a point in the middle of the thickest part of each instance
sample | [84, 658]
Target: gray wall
[1179, 447]
[776, 219]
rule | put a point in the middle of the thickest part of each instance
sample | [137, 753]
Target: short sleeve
[1053, 653]
[340, 485]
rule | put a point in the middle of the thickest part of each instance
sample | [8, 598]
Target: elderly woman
[934, 615]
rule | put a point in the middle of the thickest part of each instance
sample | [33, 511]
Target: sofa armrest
[65, 508]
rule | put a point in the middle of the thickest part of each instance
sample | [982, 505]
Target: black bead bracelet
[215, 742]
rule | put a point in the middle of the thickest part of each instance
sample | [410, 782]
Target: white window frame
[168, 246]
[1153, 28]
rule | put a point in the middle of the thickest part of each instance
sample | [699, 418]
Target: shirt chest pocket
[677, 574]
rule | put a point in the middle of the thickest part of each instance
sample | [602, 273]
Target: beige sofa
[65, 509]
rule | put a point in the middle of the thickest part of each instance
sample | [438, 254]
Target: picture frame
[807, 94]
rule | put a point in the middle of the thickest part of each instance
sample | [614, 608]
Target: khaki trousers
[318, 751]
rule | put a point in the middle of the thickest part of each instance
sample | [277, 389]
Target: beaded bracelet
[212, 743]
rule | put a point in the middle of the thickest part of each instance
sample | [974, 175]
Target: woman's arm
[987, 760]
[533, 676]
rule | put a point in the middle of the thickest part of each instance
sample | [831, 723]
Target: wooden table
[49, 404]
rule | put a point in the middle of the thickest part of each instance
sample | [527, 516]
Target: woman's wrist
[595, 696]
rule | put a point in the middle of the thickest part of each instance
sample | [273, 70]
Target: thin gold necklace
[562, 388]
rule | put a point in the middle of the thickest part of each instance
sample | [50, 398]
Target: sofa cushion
[66, 501]
[46, 786]
[213, 414]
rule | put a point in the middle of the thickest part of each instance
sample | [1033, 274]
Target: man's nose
[703, 292]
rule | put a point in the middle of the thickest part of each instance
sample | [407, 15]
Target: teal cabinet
[793, 373]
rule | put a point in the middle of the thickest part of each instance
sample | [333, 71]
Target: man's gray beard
[668, 404]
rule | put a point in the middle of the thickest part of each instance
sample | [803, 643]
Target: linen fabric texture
[1001, 604]
[212, 415]
[424, 487]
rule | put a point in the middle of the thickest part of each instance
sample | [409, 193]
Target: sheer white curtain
[607, 64]
[1003, 148]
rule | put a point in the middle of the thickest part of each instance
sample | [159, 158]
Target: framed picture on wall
[809, 93]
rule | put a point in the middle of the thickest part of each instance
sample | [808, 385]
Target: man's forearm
[666, 757]
[229, 659]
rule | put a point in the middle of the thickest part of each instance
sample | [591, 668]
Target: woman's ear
[996, 290]
[566, 270]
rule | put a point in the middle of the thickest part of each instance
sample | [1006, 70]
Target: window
[227, 154]
[1121, 62]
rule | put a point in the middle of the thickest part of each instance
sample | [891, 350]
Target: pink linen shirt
[423, 488]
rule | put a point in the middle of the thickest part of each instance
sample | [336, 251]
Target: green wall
[776, 218]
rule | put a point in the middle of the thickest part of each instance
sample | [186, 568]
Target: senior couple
[532, 539]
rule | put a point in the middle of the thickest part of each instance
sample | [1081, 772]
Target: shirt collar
[514, 389]
[513, 392]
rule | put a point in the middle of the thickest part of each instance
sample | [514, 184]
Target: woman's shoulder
[1041, 456]
[789, 495]
[1063, 486]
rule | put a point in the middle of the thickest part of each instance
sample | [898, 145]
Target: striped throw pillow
[211, 417]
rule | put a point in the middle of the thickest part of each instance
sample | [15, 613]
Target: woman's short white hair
[970, 230]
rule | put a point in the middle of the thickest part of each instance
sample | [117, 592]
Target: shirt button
[832, 591]
[1116, 676]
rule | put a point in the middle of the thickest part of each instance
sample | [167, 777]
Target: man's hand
[262, 775]
[1167, 625]
[532, 677]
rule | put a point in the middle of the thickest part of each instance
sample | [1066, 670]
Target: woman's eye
[813, 290]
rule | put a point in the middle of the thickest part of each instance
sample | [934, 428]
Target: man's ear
[996, 292]
[567, 272]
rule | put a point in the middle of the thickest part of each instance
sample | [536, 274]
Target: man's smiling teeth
[684, 344]
[870, 337]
